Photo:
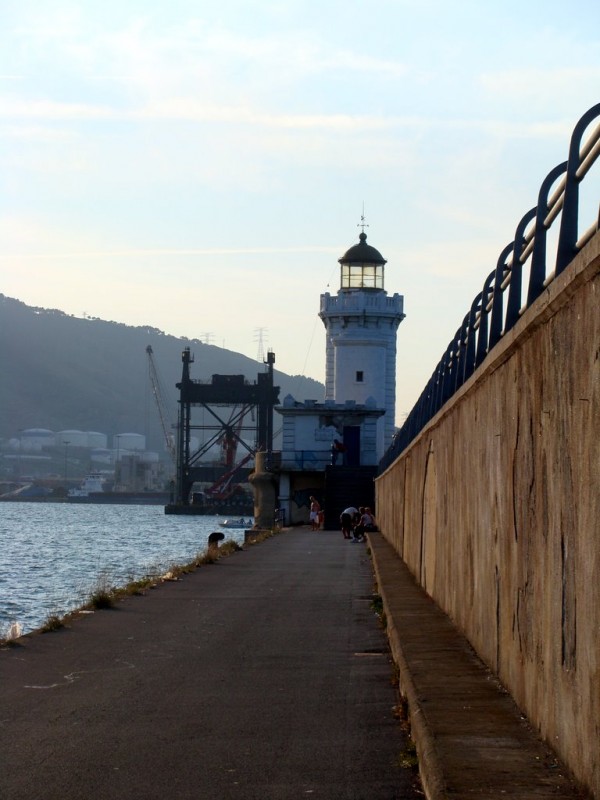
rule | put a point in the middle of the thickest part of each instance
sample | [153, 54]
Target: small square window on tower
[359, 376]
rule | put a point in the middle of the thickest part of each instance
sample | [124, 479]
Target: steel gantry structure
[250, 407]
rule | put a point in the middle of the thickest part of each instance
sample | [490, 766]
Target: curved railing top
[491, 315]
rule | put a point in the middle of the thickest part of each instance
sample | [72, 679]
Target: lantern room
[362, 267]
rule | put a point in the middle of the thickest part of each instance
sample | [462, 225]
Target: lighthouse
[361, 323]
[330, 448]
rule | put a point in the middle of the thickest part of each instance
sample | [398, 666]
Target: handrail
[490, 318]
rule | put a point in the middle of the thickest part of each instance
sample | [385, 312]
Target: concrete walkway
[471, 738]
[263, 676]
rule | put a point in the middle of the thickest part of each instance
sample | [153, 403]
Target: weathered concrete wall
[495, 508]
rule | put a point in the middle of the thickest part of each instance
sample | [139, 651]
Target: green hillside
[62, 372]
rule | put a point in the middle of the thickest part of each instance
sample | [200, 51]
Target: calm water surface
[53, 554]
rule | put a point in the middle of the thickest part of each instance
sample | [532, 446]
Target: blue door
[352, 445]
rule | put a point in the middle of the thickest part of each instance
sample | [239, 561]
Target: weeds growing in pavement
[408, 758]
[102, 594]
[211, 556]
[261, 536]
[140, 586]
[377, 606]
[228, 547]
[52, 623]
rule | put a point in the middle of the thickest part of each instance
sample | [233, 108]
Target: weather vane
[362, 224]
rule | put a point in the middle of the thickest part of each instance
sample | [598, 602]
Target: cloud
[189, 108]
[167, 252]
[537, 88]
[155, 56]
[20, 108]
[184, 109]
[36, 133]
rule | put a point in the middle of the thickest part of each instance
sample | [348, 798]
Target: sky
[200, 167]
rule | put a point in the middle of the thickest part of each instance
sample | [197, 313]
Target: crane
[222, 489]
[231, 436]
[160, 403]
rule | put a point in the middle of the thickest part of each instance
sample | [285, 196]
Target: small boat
[236, 523]
[93, 484]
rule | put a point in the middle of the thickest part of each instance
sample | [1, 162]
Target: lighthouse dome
[362, 253]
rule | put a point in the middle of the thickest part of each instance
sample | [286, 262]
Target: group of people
[356, 522]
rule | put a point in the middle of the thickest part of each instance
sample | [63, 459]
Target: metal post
[66, 444]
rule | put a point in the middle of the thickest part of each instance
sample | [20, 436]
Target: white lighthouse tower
[330, 449]
[361, 322]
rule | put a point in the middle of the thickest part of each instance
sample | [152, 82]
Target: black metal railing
[498, 306]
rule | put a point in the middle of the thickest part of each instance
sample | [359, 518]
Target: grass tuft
[140, 586]
[261, 536]
[53, 623]
[228, 547]
[210, 556]
[377, 604]
[102, 594]
[408, 758]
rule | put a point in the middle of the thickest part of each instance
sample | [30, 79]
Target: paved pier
[264, 676]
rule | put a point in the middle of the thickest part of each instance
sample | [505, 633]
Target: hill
[62, 372]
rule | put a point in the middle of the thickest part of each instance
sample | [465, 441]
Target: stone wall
[495, 509]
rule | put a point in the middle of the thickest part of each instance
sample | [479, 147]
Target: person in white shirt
[347, 520]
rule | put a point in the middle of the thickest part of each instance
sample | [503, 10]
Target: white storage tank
[72, 438]
[101, 455]
[34, 439]
[129, 441]
[97, 440]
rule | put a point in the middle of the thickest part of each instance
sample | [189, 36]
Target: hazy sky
[200, 167]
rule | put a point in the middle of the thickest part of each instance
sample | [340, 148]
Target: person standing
[337, 447]
[347, 521]
[315, 507]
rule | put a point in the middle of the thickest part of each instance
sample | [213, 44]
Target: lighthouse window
[359, 376]
[362, 276]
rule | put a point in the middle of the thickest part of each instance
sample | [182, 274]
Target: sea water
[53, 555]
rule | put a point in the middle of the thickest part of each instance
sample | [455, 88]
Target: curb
[430, 767]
